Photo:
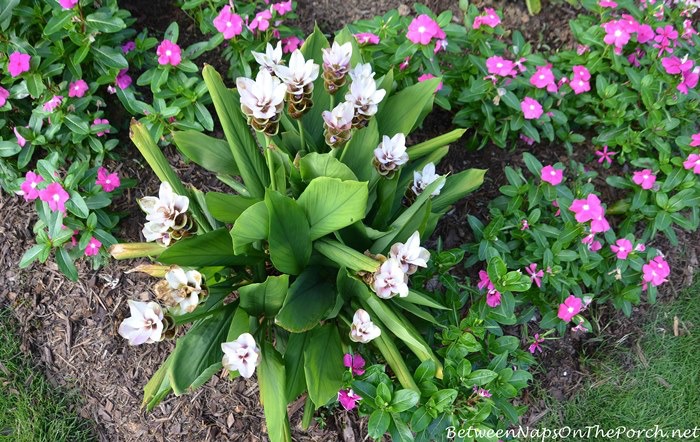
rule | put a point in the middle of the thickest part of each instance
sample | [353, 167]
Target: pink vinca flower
[261, 22]
[108, 181]
[605, 155]
[655, 271]
[607, 4]
[535, 275]
[493, 298]
[600, 224]
[68, 4]
[616, 34]
[354, 362]
[500, 66]
[55, 196]
[425, 77]
[123, 80]
[98, 121]
[4, 95]
[580, 81]
[550, 175]
[587, 209]
[527, 140]
[531, 108]
[348, 399]
[535, 346]
[228, 23]
[622, 248]
[93, 247]
[422, 29]
[490, 19]
[569, 308]
[644, 178]
[484, 281]
[544, 78]
[645, 33]
[21, 141]
[674, 65]
[29, 186]
[77, 89]
[128, 46]
[695, 140]
[367, 38]
[169, 53]
[18, 63]
[690, 80]
[282, 7]
[53, 103]
[666, 34]
[291, 44]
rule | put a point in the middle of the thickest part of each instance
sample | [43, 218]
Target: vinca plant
[310, 255]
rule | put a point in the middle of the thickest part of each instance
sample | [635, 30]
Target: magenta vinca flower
[364, 38]
[689, 81]
[355, 362]
[605, 155]
[348, 399]
[108, 181]
[531, 108]
[261, 22]
[390, 280]
[128, 46]
[77, 89]
[291, 44]
[569, 308]
[29, 186]
[655, 271]
[484, 281]
[493, 298]
[99, 121]
[535, 275]
[674, 65]
[93, 247]
[241, 355]
[55, 196]
[4, 95]
[645, 33]
[693, 162]
[607, 4]
[616, 34]
[282, 7]
[68, 4]
[550, 175]
[428, 76]
[169, 53]
[543, 78]
[490, 19]
[644, 178]
[362, 328]
[422, 29]
[228, 23]
[622, 248]
[587, 209]
[695, 140]
[21, 141]
[535, 346]
[123, 79]
[145, 325]
[500, 66]
[18, 63]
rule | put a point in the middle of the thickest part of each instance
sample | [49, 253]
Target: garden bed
[71, 327]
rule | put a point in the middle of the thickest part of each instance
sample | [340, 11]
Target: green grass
[30, 408]
[654, 383]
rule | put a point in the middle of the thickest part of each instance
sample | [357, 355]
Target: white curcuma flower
[410, 255]
[241, 355]
[263, 98]
[145, 325]
[271, 58]
[422, 179]
[180, 289]
[390, 280]
[390, 154]
[300, 74]
[361, 72]
[363, 329]
[336, 59]
[340, 118]
[365, 96]
[165, 213]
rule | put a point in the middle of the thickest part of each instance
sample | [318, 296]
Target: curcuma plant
[311, 254]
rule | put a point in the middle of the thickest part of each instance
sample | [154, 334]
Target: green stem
[332, 102]
[302, 145]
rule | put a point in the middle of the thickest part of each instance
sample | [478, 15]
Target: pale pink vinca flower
[587, 209]
[77, 89]
[108, 181]
[93, 247]
[550, 175]
[490, 19]
[261, 22]
[423, 178]
[290, 44]
[55, 196]
[21, 141]
[644, 178]
[241, 355]
[348, 399]
[390, 280]
[500, 66]
[282, 7]
[390, 154]
[531, 108]
[271, 58]
[569, 308]
[362, 329]
[580, 81]
[145, 325]
[410, 255]
[169, 53]
[29, 187]
[544, 78]
[18, 63]
[53, 103]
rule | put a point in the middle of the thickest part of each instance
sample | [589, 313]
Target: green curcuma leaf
[243, 147]
[227, 208]
[197, 355]
[211, 153]
[252, 225]
[402, 111]
[294, 364]
[308, 300]
[331, 204]
[316, 165]
[213, 248]
[272, 380]
[457, 186]
[265, 298]
[358, 153]
[290, 240]
[158, 387]
[312, 121]
[323, 367]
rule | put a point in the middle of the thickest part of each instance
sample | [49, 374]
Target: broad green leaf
[9, 149]
[76, 205]
[290, 241]
[105, 22]
[378, 423]
[199, 350]
[213, 248]
[226, 207]
[426, 147]
[402, 111]
[358, 153]
[323, 355]
[158, 386]
[481, 377]
[308, 300]
[457, 186]
[66, 264]
[252, 225]
[331, 204]
[109, 57]
[346, 256]
[403, 400]
[272, 381]
[294, 364]
[35, 85]
[265, 298]
[419, 298]
[312, 121]
[245, 150]
[6, 8]
[155, 157]
[58, 21]
[211, 153]
[316, 165]
[32, 254]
